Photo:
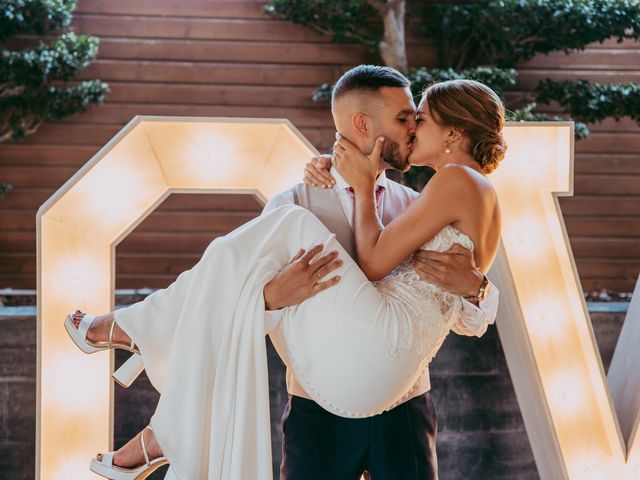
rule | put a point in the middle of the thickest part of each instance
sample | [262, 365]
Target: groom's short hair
[368, 78]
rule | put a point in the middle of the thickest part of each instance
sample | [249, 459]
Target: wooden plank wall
[216, 58]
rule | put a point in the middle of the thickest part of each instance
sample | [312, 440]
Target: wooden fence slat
[211, 73]
[17, 154]
[32, 198]
[223, 51]
[528, 77]
[597, 227]
[620, 163]
[231, 95]
[192, 8]
[600, 205]
[612, 58]
[597, 184]
[609, 268]
[142, 26]
[609, 248]
[114, 113]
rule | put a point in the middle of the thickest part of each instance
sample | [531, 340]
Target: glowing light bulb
[547, 317]
[567, 391]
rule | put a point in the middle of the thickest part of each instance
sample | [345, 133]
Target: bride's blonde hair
[476, 110]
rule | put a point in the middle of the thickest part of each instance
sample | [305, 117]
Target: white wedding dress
[357, 348]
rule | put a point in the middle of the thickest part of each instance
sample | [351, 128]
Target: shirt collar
[341, 184]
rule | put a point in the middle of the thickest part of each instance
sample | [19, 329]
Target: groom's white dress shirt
[395, 199]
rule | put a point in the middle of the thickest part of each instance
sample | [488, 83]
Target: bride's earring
[447, 149]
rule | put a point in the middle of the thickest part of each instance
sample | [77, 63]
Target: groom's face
[395, 120]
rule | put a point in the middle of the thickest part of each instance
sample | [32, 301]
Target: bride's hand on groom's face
[316, 172]
[301, 278]
[454, 270]
[358, 170]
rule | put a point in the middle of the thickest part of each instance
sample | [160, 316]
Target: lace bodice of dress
[427, 310]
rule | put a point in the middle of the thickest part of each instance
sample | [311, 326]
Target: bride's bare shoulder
[463, 186]
[453, 175]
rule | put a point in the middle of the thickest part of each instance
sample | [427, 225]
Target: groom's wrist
[269, 303]
[480, 292]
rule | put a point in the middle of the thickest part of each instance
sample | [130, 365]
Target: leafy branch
[340, 19]
[38, 84]
[507, 32]
[29, 17]
[593, 102]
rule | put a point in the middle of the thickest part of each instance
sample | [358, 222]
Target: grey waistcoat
[325, 204]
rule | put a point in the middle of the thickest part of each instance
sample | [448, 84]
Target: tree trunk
[393, 48]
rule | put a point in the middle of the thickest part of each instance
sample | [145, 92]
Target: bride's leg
[151, 323]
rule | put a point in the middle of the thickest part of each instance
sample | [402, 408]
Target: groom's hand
[454, 270]
[301, 279]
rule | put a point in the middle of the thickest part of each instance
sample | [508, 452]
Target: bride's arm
[382, 249]
[316, 172]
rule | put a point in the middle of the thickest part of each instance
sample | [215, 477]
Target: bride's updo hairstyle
[476, 110]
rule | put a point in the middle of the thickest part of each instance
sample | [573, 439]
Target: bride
[357, 348]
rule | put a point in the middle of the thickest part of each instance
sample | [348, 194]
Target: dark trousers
[396, 445]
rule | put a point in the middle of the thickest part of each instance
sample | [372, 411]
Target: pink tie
[379, 192]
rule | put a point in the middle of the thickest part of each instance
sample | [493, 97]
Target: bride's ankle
[99, 331]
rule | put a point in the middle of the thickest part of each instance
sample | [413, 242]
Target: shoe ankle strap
[144, 447]
[111, 328]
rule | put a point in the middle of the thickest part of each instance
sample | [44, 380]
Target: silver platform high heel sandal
[106, 468]
[129, 371]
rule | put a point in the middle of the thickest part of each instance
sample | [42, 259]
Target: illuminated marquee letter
[543, 321]
[79, 227]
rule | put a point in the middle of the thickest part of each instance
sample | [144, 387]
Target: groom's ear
[360, 123]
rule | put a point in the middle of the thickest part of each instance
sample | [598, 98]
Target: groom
[367, 102]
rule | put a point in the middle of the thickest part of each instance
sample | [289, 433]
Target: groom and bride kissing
[357, 280]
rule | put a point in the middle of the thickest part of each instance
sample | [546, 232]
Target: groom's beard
[392, 156]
